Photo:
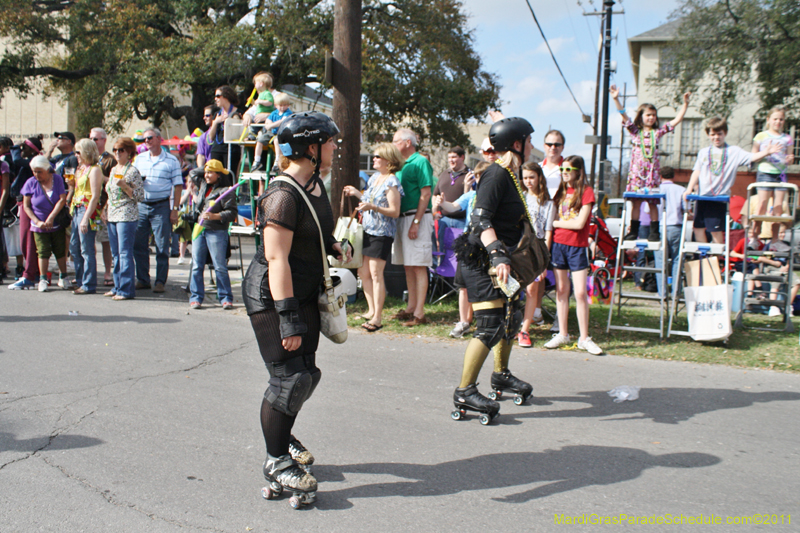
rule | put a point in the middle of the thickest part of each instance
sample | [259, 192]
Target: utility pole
[597, 104]
[622, 138]
[346, 74]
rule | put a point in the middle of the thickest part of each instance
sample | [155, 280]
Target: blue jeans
[673, 247]
[121, 236]
[153, 218]
[83, 252]
[215, 243]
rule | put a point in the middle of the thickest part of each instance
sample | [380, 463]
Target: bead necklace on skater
[519, 189]
[645, 154]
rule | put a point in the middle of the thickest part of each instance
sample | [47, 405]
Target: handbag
[530, 257]
[332, 299]
[351, 229]
[63, 219]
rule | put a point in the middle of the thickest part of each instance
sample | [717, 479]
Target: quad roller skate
[282, 473]
[505, 380]
[300, 454]
[469, 399]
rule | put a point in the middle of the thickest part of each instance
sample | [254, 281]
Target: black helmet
[505, 132]
[301, 130]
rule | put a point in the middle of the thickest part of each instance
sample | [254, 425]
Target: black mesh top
[497, 193]
[282, 205]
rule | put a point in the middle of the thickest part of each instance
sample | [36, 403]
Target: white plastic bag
[708, 309]
[624, 392]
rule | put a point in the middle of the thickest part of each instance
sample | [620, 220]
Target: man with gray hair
[412, 246]
[162, 179]
[107, 164]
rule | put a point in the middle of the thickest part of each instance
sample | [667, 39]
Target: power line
[577, 43]
[554, 58]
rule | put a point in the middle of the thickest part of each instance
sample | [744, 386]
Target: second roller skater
[495, 228]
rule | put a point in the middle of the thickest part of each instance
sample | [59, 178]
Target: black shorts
[458, 281]
[479, 286]
[710, 215]
[377, 247]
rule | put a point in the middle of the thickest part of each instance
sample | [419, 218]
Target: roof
[307, 93]
[665, 32]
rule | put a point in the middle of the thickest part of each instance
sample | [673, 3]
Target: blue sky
[511, 46]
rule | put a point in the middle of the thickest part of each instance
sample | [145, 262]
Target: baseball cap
[68, 134]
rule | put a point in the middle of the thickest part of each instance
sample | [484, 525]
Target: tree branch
[730, 11]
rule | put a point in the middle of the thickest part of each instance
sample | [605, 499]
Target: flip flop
[108, 282]
[369, 326]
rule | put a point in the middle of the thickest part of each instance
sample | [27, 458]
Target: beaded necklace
[645, 154]
[719, 168]
[519, 190]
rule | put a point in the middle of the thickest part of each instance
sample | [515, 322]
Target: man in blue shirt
[162, 179]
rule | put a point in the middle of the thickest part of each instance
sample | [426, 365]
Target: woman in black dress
[280, 293]
[495, 228]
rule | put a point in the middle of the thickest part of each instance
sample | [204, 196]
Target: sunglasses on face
[568, 169]
[556, 145]
[95, 139]
[149, 138]
[77, 152]
[217, 96]
[206, 116]
[489, 151]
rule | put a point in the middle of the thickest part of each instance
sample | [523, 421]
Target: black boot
[633, 232]
[505, 380]
[655, 233]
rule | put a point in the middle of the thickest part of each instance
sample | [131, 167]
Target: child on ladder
[645, 172]
[773, 168]
[573, 202]
[714, 172]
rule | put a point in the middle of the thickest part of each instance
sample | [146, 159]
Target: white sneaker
[557, 341]
[460, 329]
[555, 328]
[64, 284]
[775, 311]
[537, 320]
[181, 261]
[43, 285]
[589, 345]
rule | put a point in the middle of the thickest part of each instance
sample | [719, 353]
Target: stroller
[602, 258]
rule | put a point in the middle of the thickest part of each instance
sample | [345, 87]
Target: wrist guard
[290, 324]
[498, 254]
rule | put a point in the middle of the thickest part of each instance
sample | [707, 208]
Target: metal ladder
[642, 245]
[702, 249]
[783, 280]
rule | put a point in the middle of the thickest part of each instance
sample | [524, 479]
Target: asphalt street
[143, 416]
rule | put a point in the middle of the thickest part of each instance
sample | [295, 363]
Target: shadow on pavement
[557, 471]
[665, 406]
[60, 442]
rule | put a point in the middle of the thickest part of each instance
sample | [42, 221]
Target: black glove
[290, 324]
[498, 253]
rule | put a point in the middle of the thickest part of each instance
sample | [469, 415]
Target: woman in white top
[553, 146]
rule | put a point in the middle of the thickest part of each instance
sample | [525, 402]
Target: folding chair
[441, 277]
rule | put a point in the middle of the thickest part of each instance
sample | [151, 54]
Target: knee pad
[514, 319]
[489, 326]
[291, 383]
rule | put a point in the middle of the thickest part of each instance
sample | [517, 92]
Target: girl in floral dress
[645, 172]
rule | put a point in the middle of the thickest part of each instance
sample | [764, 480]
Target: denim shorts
[710, 215]
[566, 257]
[764, 177]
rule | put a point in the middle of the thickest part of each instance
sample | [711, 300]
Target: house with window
[651, 61]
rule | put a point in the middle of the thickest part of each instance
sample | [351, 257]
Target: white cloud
[556, 44]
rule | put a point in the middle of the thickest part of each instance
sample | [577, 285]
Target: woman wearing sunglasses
[573, 201]
[227, 100]
[494, 228]
[125, 190]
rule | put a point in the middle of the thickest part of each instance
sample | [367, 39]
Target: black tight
[277, 426]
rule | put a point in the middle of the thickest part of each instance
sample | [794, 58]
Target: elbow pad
[481, 219]
[498, 253]
[290, 324]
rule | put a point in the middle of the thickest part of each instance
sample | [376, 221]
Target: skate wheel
[493, 395]
[485, 419]
[456, 415]
[267, 493]
[519, 400]
[295, 502]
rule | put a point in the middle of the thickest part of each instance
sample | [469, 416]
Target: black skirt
[378, 247]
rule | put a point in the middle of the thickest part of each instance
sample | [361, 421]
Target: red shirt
[572, 237]
[739, 249]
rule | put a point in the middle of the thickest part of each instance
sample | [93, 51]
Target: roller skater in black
[280, 292]
[283, 473]
[495, 226]
[469, 399]
[505, 380]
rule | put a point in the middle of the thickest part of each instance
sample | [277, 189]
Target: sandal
[363, 317]
[369, 326]
[119, 297]
[108, 282]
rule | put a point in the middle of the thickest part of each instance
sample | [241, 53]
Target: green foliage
[722, 46]
[116, 58]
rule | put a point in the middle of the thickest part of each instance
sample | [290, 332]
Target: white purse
[332, 311]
